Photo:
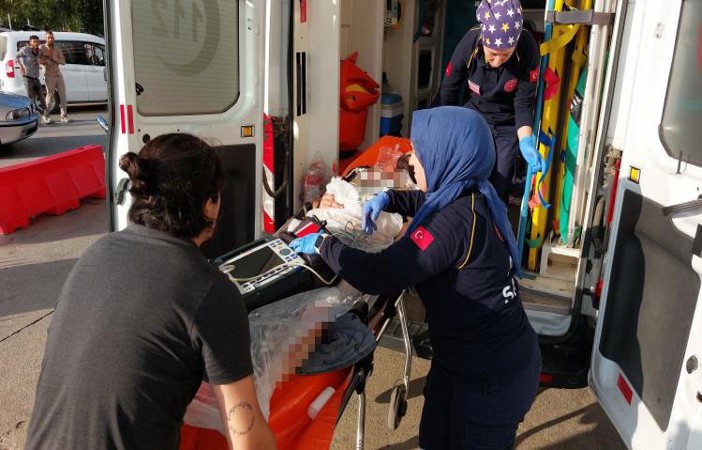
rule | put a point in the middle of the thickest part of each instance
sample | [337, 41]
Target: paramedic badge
[422, 237]
[511, 85]
[474, 87]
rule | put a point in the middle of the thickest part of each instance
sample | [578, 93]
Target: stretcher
[304, 409]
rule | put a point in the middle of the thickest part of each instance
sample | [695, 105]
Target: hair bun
[129, 162]
[134, 165]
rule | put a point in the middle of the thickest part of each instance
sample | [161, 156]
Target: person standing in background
[28, 58]
[498, 63]
[51, 58]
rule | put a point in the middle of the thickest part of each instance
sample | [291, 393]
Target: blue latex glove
[530, 154]
[305, 244]
[371, 211]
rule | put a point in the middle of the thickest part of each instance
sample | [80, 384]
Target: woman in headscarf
[459, 253]
[497, 64]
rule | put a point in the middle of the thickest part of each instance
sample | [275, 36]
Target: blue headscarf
[455, 146]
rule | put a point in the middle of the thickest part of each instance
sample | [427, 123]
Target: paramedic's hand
[305, 244]
[371, 211]
[530, 154]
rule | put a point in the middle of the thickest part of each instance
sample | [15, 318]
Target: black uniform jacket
[461, 269]
[504, 95]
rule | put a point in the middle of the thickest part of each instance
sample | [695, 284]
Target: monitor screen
[255, 263]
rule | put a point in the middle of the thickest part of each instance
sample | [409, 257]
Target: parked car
[83, 72]
[19, 118]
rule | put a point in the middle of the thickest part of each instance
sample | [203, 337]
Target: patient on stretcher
[314, 332]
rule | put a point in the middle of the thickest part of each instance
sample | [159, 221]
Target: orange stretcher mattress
[292, 427]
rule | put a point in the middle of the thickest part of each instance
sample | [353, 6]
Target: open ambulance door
[196, 67]
[316, 32]
[648, 341]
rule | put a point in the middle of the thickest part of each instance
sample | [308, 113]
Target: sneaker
[46, 120]
[65, 119]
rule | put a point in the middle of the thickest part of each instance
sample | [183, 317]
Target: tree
[90, 17]
[57, 15]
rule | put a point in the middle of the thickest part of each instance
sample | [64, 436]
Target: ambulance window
[680, 129]
[186, 56]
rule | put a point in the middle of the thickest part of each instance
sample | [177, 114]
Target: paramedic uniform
[486, 364]
[503, 95]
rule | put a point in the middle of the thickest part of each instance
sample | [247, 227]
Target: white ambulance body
[627, 314]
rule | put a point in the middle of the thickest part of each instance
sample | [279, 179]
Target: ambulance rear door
[648, 344]
[196, 67]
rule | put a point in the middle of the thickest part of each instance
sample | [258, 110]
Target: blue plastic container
[391, 125]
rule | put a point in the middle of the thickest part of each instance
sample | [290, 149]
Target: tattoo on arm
[242, 412]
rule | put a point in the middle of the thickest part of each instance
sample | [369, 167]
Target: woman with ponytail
[144, 318]
[459, 253]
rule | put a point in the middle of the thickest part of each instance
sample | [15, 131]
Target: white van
[83, 73]
[618, 307]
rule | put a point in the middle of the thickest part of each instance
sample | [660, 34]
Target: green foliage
[57, 15]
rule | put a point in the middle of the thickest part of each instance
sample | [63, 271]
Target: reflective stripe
[472, 233]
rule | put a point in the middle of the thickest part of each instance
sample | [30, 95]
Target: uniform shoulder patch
[422, 238]
[447, 72]
[534, 75]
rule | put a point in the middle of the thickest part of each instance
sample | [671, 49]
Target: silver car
[19, 118]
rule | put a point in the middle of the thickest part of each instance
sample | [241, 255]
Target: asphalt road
[57, 137]
[35, 261]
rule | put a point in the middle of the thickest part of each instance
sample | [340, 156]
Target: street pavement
[35, 261]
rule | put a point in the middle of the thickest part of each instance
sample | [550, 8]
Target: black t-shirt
[142, 319]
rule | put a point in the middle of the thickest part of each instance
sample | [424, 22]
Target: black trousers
[34, 93]
[476, 416]
[507, 151]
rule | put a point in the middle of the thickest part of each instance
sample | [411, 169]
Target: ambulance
[613, 264]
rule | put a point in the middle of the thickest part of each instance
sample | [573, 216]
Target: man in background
[28, 58]
[51, 58]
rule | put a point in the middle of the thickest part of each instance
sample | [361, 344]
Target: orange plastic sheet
[370, 155]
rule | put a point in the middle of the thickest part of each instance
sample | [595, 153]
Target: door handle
[692, 205]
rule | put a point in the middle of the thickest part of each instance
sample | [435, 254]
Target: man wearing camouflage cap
[498, 63]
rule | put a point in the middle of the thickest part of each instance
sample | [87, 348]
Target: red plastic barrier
[51, 185]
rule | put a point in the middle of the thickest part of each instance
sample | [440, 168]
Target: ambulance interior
[404, 46]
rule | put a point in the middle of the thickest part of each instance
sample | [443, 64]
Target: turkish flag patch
[474, 87]
[422, 238]
[511, 85]
[534, 75]
[447, 72]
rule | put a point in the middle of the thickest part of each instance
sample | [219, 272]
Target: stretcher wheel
[398, 406]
